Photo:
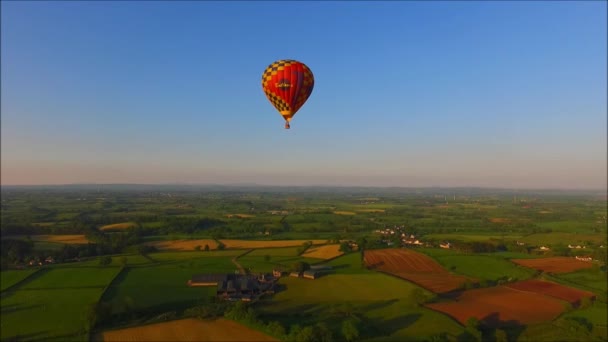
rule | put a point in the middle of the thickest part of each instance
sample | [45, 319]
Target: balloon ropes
[287, 84]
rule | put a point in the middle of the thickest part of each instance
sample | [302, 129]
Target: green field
[56, 298]
[280, 251]
[386, 304]
[11, 277]
[259, 263]
[483, 267]
[563, 238]
[180, 256]
[68, 278]
[591, 279]
[47, 315]
[472, 237]
[159, 287]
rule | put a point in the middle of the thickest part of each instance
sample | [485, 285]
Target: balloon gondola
[287, 84]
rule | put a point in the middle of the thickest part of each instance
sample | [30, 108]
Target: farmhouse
[446, 245]
[235, 286]
[295, 274]
[584, 258]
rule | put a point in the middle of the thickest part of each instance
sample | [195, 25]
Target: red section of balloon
[287, 84]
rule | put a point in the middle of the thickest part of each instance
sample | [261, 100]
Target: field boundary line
[236, 263]
[20, 282]
[105, 289]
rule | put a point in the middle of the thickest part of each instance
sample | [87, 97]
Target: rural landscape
[303, 171]
[213, 263]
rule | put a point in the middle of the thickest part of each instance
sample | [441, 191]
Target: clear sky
[505, 94]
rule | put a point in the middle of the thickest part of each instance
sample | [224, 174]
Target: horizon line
[604, 189]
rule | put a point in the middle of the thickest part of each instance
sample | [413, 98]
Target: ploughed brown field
[187, 330]
[501, 305]
[554, 264]
[552, 289]
[415, 267]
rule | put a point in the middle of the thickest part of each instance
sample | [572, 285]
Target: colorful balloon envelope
[287, 84]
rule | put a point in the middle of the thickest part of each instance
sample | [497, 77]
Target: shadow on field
[27, 337]
[492, 322]
[32, 277]
[18, 307]
[380, 304]
[387, 327]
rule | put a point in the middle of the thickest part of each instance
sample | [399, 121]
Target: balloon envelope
[287, 84]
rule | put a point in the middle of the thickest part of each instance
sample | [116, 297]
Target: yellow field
[323, 252]
[183, 245]
[371, 210]
[75, 239]
[247, 244]
[545, 212]
[118, 226]
[499, 220]
[345, 213]
[187, 330]
[240, 215]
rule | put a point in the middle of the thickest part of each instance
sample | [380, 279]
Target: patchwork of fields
[56, 299]
[388, 303]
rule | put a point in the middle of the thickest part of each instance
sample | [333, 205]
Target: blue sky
[506, 94]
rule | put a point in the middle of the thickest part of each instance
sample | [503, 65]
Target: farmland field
[590, 279]
[488, 267]
[562, 237]
[554, 264]
[12, 277]
[248, 244]
[569, 294]
[67, 278]
[415, 267]
[499, 305]
[64, 238]
[57, 299]
[183, 245]
[162, 286]
[276, 251]
[267, 231]
[388, 303]
[186, 330]
[60, 314]
[258, 263]
[323, 252]
[117, 226]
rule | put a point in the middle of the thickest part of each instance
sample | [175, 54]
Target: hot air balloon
[287, 84]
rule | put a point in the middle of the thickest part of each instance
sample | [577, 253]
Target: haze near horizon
[496, 94]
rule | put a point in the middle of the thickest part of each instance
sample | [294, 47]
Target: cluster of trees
[479, 246]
